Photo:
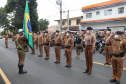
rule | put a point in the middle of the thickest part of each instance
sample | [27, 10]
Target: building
[110, 14]
[73, 24]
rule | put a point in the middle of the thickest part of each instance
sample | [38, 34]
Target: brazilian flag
[27, 26]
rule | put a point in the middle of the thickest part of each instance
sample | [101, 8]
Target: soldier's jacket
[21, 40]
[46, 39]
[89, 39]
[118, 46]
[34, 38]
[68, 41]
[6, 37]
[40, 39]
[58, 40]
[79, 41]
[15, 37]
[124, 36]
[106, 36]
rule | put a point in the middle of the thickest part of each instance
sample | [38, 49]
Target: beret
[109, 29]
[46, 31]
[119, 32]
[57, 31]
[89, 28]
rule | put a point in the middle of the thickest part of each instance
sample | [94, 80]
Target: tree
[3, 17]
[17, 8]
[43, 24]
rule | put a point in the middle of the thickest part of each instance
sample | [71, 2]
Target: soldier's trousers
[41, 50]
[89, 58]
[27, 49]
[16, 44]
[107, 53]
[47, 48]
[78, 51]
[33, 51]
[58, 53]
[6, 43]
[21, 55]
[68, 56]
[117, 67]
[36, 44]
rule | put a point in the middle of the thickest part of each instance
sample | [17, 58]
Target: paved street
[46, 72]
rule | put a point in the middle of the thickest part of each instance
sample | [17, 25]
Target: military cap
[89, 28]
[119, 32]
[82, 30]
[109, 29]
[57, 31]
[46, 31]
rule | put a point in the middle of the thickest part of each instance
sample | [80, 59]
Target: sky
[48, 9]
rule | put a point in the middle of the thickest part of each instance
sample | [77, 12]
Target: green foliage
[43, 24]
[17, 8]
[3, 17]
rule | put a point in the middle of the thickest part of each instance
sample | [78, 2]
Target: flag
[27, 26]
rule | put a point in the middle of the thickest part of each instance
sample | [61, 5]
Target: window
[88, 15]
[77, 22]
[69, 22]
[121, 10]
[108, 12]
[63, 23]
[97, 13]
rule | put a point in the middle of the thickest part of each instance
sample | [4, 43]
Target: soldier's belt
[107, 44]
[119, 55]
[57, 44]
[5, 39]
[47, 44]
[88, 45]
[68, 47]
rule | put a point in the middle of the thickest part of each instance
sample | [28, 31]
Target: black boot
[21, 71]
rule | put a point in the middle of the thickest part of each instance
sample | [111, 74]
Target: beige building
[73, 24]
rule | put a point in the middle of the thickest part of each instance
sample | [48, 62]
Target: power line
[53, 4]
[51, 15]
[75, 10]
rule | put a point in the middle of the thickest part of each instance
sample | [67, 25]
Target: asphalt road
[41, 71]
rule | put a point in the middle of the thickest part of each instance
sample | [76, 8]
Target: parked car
[1, 37]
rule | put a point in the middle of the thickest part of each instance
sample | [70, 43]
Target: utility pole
[68, 21]
[59, 2]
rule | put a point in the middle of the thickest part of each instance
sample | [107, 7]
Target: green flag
[27, 26]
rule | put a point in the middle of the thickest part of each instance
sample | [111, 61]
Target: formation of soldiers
[115, 46]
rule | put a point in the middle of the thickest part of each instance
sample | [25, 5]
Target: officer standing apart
[79, 45]
[118, 55]
[6, 41]
[21, 51]
[46, 45]
[69, 44]
[108, 46]
[89, 49]
[58, 43]
[40, 43]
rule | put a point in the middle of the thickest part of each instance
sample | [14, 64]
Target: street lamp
[59, 2]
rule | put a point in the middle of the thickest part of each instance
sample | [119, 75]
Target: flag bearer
[21, 51]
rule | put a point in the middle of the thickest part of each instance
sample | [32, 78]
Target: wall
[97, 26]
[102, 16]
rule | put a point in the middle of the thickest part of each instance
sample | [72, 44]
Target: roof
[104, 20]
[103, 5]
